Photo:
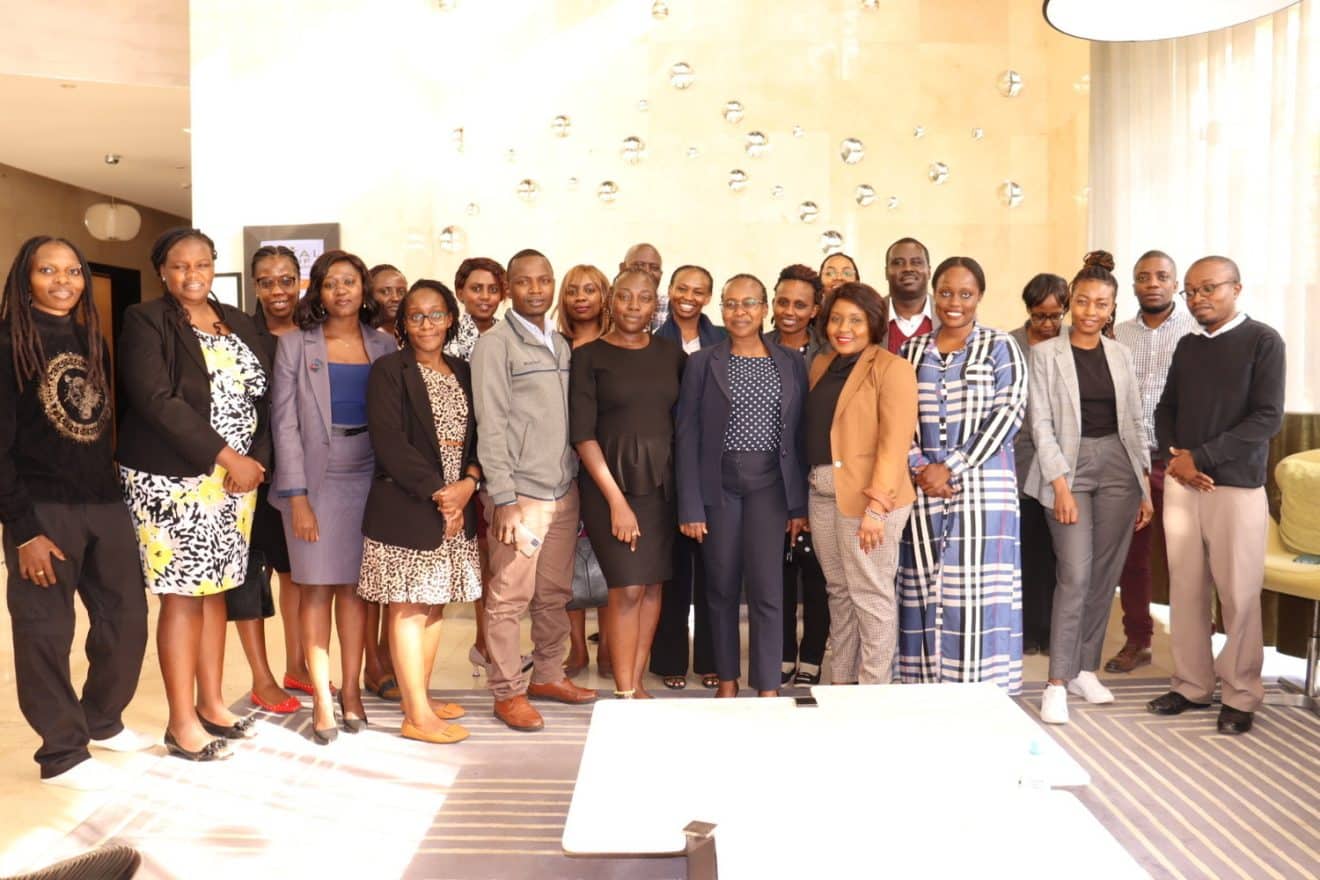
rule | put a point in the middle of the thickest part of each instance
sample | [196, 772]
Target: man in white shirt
[1152, 336]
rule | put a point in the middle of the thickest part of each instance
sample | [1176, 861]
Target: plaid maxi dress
[959, 577]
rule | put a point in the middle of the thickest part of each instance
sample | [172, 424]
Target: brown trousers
[1216, 541]
[541, 583]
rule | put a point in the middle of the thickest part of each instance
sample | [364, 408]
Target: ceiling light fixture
[112, 221]
[1125, 21]
[113, 158]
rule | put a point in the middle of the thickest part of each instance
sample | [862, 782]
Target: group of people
[941, 495]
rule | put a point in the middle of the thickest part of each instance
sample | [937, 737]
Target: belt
[339, 431]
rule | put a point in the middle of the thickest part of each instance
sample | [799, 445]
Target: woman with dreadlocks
[194, 444]
[66, 530]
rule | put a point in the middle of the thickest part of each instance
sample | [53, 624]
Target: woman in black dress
[622, 392]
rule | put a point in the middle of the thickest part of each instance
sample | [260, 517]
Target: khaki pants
[541, 583]
[1216, 541]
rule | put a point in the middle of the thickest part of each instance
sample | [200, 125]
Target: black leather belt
[348, 432]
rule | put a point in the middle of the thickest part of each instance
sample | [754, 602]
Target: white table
[919, 776]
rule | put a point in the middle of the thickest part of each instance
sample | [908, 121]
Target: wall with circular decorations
[738, 135]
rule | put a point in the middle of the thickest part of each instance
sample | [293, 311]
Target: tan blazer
[874, 423]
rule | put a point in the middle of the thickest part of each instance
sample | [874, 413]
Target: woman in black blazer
[194, 443]
[419, 550]
[741, 479]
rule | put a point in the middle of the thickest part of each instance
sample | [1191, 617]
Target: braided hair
[16, 311]
[160, 252]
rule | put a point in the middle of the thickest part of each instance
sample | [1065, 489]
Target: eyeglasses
[1205, 290]
[964, 295]
[416, 318]
[285, 281]
[747, 305]
[1044, 318]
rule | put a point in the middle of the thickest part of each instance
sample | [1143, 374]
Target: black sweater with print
[56, 436]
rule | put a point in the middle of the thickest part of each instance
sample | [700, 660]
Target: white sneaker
[1089, 688]
[126, 740]
[1054, 704]
[89, 775]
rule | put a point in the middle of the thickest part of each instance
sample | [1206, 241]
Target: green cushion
[1298, 477]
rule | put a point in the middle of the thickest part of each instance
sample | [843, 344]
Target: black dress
[624, 400]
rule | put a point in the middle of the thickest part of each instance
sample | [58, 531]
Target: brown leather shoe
[1129, 658]
[562, 691]
[518, 714]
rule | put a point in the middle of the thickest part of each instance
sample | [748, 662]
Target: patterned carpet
[1185, 801]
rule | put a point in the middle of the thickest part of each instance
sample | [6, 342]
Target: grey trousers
[863, 601]
[1090, 554]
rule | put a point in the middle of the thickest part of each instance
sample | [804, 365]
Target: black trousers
[802, 567]
[687, 590]
[1038, 571]
[744, 534]
[103, 568]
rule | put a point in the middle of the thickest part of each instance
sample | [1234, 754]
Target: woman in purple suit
[324, 470]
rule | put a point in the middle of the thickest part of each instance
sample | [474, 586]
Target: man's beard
[1156, 310]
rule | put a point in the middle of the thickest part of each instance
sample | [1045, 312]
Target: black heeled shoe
[351, 725]
[326, 736]
[243, 728]
[215, 750]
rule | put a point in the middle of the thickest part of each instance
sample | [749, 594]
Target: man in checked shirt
[1152, 336]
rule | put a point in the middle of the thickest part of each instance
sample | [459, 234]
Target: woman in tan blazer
[861, 417]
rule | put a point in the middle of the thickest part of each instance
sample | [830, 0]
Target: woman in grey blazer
[1091, 473]
[324, 469]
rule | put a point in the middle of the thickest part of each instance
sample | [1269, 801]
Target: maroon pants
[1135, 580]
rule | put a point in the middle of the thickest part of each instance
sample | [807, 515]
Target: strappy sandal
[710, 680]
[387, 690]
[675, 682]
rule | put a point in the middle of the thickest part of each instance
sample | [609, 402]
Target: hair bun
[1103, 259]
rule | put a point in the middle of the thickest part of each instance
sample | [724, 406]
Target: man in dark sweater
[1222, 403]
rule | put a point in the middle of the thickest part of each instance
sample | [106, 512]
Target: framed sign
[307, 240]
[228, 288]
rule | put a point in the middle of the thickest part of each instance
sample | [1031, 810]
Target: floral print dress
[193, 535]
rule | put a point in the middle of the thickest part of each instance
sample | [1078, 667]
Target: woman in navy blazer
[741, 479]
[324, 466]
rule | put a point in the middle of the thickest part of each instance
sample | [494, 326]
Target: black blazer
[165, 393]
[703, 417]
[399, 509]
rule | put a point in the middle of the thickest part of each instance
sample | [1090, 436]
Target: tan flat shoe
[449, 711]
[451, 733]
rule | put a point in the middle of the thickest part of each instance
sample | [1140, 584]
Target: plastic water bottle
[1034, 777]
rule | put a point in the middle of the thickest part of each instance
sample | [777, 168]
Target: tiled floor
[33, 815]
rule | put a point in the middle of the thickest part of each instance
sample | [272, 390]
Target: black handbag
[589, 589]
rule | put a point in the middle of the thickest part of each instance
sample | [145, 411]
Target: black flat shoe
[351, 725]
[325, 737]
[1173, 703]
[804, 677]
[243, 728]
[215, 750]
[786, 675]
[1234, 721]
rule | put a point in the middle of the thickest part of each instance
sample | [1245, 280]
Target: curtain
[1209, 145]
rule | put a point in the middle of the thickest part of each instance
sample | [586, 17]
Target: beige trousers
[541, 583]
[1216, 541]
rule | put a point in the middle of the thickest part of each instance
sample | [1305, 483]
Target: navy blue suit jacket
[703, 416]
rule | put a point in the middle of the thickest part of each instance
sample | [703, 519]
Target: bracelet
[875, 514]
[476, 481]
[25, 543]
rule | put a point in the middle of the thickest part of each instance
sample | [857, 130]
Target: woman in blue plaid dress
[959, 580]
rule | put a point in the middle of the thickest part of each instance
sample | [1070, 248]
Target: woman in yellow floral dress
[194, 442]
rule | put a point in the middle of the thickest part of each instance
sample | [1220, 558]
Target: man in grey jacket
[520, 393]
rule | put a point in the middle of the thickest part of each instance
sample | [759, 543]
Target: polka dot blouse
[754, 419]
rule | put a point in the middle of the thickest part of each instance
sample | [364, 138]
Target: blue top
[348, 394]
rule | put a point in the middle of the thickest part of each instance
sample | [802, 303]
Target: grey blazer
[1056, 414]
[300, 409]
